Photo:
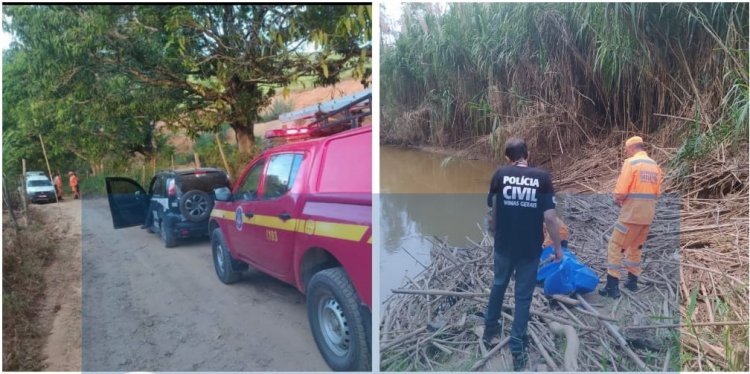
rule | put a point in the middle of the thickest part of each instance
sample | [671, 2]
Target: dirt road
[149, 308]
[61, 308]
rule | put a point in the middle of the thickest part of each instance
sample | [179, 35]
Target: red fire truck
[302, 212]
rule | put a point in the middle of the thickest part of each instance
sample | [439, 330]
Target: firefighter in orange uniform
[58, 186]
[564, 235]
[73, 181]
[636, 192]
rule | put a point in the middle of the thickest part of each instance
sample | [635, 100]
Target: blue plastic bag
[559, 282]
[567, 276]
[585, 280]
[550, 267]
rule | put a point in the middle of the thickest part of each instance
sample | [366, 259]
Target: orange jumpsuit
[74, 186]
[58, 186]
[564, 233]
[638, 188]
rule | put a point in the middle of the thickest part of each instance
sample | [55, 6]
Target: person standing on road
[638, 187]
[524, 201]
[58, 186]
[73, 181]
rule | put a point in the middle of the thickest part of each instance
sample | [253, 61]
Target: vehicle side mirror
[223, 194]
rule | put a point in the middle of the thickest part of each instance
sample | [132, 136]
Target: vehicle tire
[167, 236]
[336, 322]
[196, 205]
[151, 229]
[223, 261]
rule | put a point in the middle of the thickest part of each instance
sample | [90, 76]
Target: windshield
[204, 181]
[39, 183]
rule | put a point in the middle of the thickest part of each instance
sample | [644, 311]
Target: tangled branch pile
[714, 226]
[435, 321]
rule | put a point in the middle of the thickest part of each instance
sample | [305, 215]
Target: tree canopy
[95, 78]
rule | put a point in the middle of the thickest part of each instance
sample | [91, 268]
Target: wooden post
[6, 197]
[143, 173]
[49, 170]
[223, 158]
[23, 185]
[197, 160]
[171, 156]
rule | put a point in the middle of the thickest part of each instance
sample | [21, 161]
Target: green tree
[215, 63]
[83, 111]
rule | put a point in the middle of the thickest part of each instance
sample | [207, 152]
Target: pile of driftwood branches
[714, 226]
[435, 321]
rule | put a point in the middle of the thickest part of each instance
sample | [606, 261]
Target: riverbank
[434, 322]
[465, 149]
[713, 227]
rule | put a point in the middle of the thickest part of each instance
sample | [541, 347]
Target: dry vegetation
[696, 263]
[26, 253]
[576, 80]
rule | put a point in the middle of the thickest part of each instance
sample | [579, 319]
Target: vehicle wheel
[152, 227]
[223, 261]
[336, 322]
[196, 205]
[167, 236]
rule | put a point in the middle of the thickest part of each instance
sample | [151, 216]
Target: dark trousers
[525, 271]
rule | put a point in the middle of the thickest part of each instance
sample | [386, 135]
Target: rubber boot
[490, 332]
[520, 360]
[632, 282]
[611, 289]
[519, 348]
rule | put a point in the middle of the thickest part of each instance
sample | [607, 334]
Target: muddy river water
[426, 194]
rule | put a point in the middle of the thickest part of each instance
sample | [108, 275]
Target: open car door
[127, 202]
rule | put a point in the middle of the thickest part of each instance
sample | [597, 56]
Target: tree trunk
[245, 138]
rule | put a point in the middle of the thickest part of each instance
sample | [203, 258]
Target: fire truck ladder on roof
[353, 107]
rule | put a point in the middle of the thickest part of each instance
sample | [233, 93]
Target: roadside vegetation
[104, 90]
[26, 253]
[97, 88]
[563, 74]
[576, 80]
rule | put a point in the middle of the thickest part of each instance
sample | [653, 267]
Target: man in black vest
[524, 201]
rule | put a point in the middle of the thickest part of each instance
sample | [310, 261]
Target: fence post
[49, 170]
[223, 158]
[23, 185]
[6, 197]
[197, 160]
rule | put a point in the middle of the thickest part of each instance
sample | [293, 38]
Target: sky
[393, 10]
[4, 37]
[4, 40]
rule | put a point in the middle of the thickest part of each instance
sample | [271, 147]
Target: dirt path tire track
[61, 313]
[146, 307]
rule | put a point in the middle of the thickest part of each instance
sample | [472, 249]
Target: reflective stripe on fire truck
[343, 231]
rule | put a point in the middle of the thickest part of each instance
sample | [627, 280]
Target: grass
[95, 185]
[478, 67]
[25, 255]
[307, 82]
[278, 108]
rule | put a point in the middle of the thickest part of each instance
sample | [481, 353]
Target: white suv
[39, 188]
